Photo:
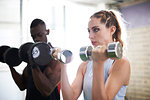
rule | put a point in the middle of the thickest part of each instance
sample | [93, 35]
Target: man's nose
[37, 39]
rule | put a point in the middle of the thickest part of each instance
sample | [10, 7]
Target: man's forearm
[18, 78]
[45, 84]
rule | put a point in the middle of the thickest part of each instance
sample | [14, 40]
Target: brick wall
[138, 53]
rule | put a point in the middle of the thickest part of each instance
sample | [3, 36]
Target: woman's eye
[95, 29]
[88, 31]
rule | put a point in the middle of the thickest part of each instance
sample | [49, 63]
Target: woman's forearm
[98, 87]
[67, 91]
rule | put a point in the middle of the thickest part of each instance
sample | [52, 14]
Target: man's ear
[113, 29]
[47, 32]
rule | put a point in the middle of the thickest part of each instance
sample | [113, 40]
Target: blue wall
[137, 15]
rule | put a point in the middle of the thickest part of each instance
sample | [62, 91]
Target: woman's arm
[72, 92]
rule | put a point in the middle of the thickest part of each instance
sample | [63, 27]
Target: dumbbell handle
[113, 50]
[64, 56]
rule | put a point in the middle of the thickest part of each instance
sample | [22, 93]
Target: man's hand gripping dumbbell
[114, 50]
[42, 54]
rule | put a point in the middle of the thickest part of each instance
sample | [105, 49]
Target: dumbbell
[41, 54]
[14, 56]
[24, 50]
[3, 48]
[9, 55]
[114, 50]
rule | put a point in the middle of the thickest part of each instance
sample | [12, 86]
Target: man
[40, 81]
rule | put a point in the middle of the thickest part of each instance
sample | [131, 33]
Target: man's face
[39, 33]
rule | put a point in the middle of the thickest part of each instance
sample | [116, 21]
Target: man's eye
[95, 29]
[39, 35]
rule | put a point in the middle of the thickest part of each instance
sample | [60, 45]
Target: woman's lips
[93, 42]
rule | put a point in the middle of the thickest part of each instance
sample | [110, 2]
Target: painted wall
[137, 15]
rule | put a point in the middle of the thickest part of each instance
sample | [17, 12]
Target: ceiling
[95, 2]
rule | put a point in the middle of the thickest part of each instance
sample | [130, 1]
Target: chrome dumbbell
[114, 50]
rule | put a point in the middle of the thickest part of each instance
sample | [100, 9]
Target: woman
[102, 78]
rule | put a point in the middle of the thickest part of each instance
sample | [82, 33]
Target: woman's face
[99, 34]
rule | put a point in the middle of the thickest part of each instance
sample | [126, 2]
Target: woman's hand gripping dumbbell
[114, 50]
[42, 54]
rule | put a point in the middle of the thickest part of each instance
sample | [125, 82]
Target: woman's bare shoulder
[123, 60]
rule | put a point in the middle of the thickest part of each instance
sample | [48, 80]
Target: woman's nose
[91, 36]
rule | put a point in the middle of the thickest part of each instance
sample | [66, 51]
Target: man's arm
[19, 79]
[47, 81]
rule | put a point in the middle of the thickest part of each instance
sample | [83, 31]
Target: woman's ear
[113, 29]
[47, 32]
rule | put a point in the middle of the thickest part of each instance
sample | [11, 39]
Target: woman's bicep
[118, 77]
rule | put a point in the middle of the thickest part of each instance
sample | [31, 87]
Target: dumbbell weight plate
[23, 51]
[40, 53]
[85, 53]
[119, 52]
[11, 57]
[115, 50]
[65, 56]
[2, 51]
